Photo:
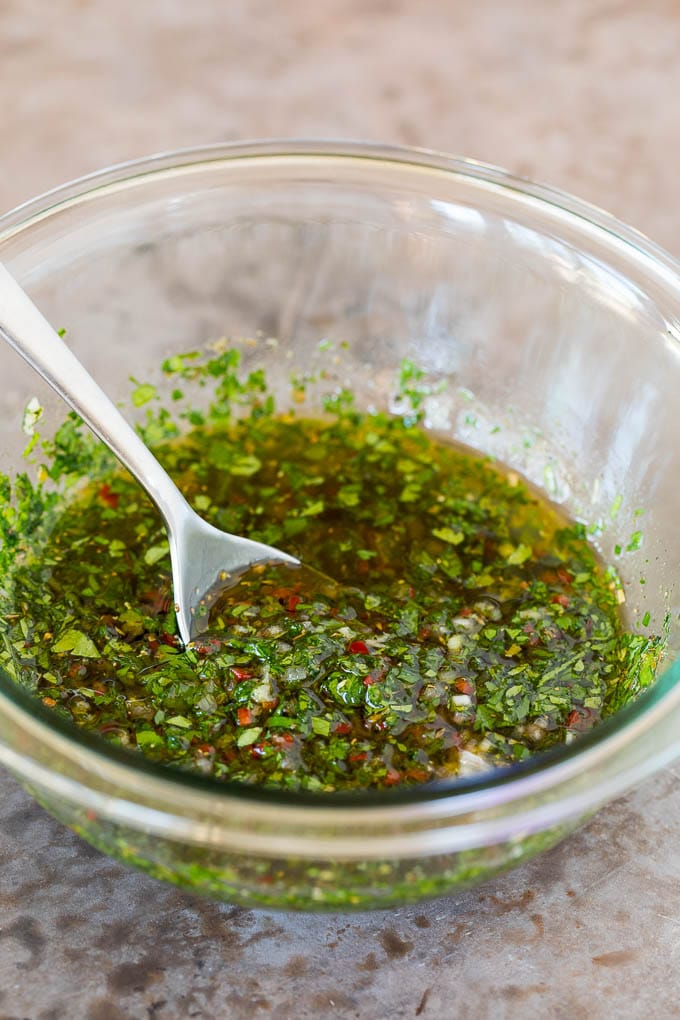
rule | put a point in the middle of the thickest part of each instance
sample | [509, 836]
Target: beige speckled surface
[579, 94]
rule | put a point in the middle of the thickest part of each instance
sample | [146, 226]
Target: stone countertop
[577, 93]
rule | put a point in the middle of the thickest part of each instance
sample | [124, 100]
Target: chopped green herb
[77, 643]
[470, 616]
[615, 507]
[634, 542]
[248, 737]
[142, 394]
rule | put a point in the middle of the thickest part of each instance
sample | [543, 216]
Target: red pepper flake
[581, 719]
[418, 775]
[343, 728]
[380, 725]
[50, 702]
[560, 599]
[283, 740]
[205, 749]
[244, 716]
[107, 496]
[240, 673]
[393, 776]
[287, 597]
[207, 646]
[411, 592]
[153, 644]
[258, 750]
[369, 680]
[463, 686]
[91, 815]
[358, 648]
[465, 611]
[169, 639]
[357, 756]
[564, 575]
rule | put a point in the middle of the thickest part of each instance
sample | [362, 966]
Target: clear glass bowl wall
[554, 331]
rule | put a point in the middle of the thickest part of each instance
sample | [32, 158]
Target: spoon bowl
[204, 559]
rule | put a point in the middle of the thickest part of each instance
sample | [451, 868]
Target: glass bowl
[555, 329]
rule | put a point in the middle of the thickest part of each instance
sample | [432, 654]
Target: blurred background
[580, 94]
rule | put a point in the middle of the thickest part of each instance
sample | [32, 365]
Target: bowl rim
[463, 795]
[88, 185]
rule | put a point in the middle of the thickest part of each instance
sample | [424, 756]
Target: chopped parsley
[471, 622]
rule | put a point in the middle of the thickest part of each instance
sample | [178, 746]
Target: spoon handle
[30, 334]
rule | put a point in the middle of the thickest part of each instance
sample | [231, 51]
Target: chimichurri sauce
[472, 626]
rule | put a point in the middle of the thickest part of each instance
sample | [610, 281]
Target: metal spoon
[204, 559]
